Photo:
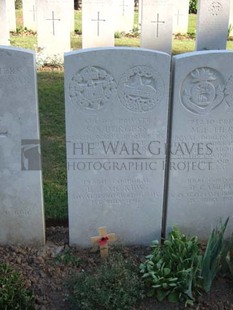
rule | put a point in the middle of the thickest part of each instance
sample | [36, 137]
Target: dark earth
[46, 275]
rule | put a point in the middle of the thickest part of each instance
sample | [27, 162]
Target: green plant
[229, 256]
[114, 285]
[227, 259]
[210, 264]
[192, 6]
[135, 32]
[118, 35]
[13, 294]
[18, 4]
[67, 257]
[172, 271]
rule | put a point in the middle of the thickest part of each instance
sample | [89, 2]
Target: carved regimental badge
[215, 8]
[202, 90]
[140, 89]
[91, 88]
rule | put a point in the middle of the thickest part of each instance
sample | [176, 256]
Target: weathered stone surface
[4, 23]
[201, 166]
[98, 23]
[116, 121]
[53, 27]
[21, 205]
[156, 24]
[212, 24]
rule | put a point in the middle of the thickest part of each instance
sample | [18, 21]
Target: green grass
[52, 124]
[51, 105]
[115, 284]
[192, 23]
[13, 292]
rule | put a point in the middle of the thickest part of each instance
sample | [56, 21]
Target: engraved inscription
[92, 88]
[215, 8]
[202, 90]
[3, 128]
[3, 132]
[140, 89]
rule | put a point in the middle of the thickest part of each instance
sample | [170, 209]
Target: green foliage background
[193, 6]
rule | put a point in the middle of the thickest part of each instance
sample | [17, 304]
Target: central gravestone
[116, 124]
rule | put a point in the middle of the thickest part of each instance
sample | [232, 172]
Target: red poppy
[103, 241]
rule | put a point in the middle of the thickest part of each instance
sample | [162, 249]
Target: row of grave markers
[54, 20]
[119, 122]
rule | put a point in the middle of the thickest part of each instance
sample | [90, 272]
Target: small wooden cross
[102, 240]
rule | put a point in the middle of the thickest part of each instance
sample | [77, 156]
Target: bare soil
[46, 275]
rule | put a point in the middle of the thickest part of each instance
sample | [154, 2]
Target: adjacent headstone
[98, 23]
[180, 16]
[124, 15]
[212, 24]
[53, 27]
[21, 207]
[4, 23]
[72, 19]
[30, 14]
[156, 25]
[11, 14]
[139, 13]
[201, 166]
[116, 123]
[230, 25]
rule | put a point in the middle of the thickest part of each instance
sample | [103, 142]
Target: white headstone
[98, 23]
[201, 167]
[4, 23]
[116, 121]
[231, 18]
[21, 207]
[72, 19]
[180, 16]
[139, 14]
[124, 15]
[53, 26]
[212, 24]
[30, 14]
[156, 27]
[11, 14]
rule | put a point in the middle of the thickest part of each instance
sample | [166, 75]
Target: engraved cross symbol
[33, 12]
[178, 17]
[53, 20]
[157, 22]
[123, 6]
[98, 20]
